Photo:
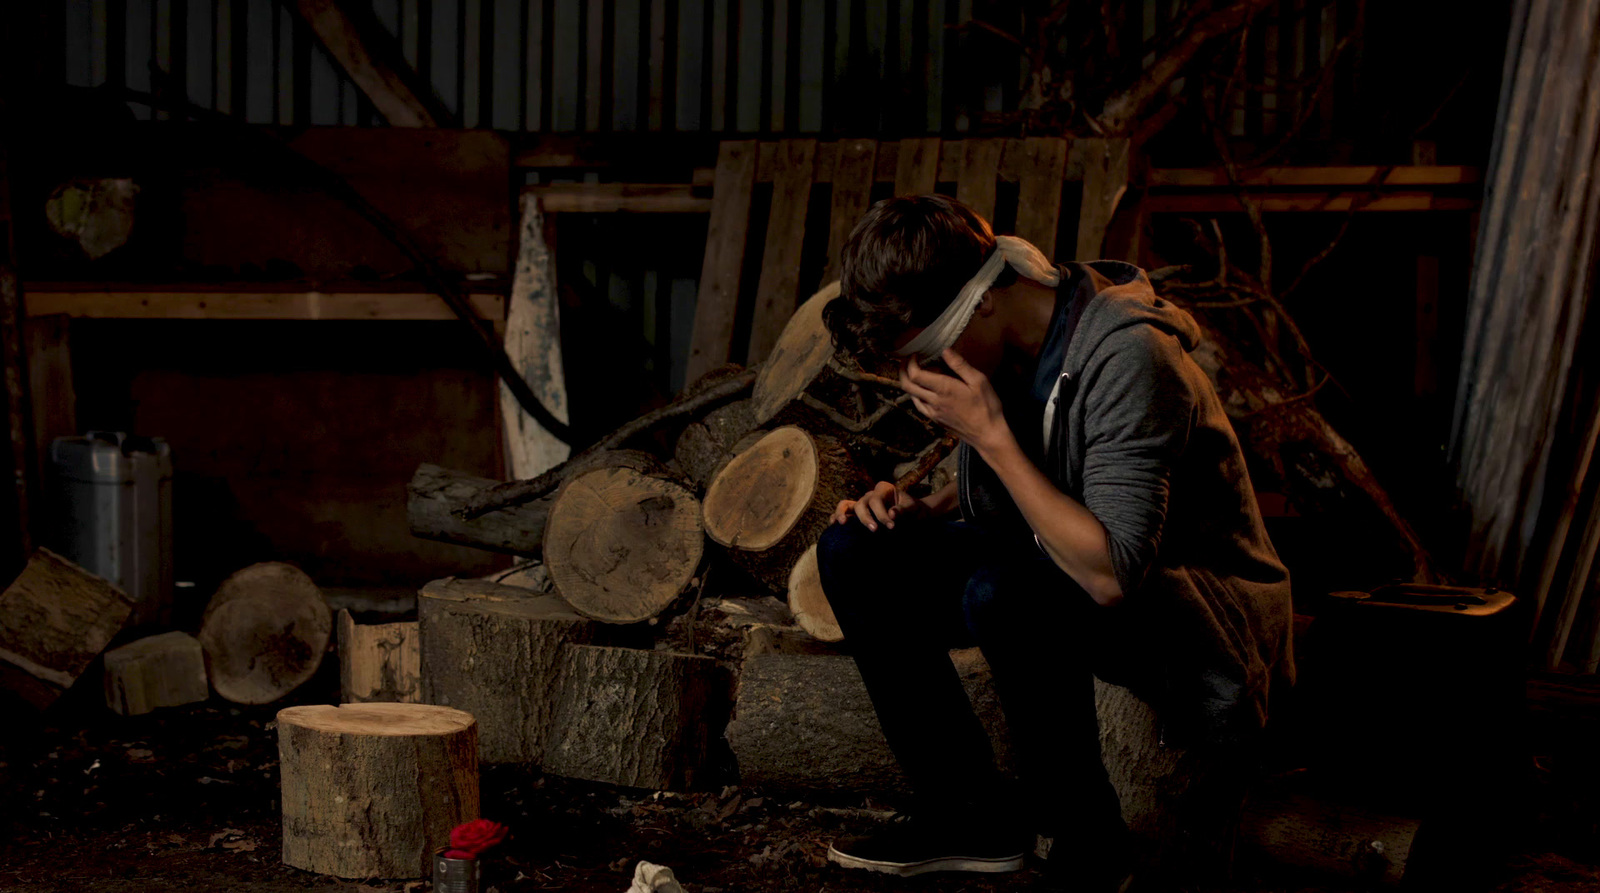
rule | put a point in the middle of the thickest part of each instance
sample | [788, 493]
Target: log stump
[166, 670]
[804, 723]
[771, 502]
[370, 790]
[379, 661]
[55, 619]
[264, 633]
[1183, 805]
[635, 718]
[621, 545]
[495, 652]
[708, 443]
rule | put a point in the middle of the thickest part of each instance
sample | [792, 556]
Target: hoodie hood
[1118, 295]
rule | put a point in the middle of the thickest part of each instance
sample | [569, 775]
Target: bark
[803, 722]
[370, 790]
[636, 718]
[495, 652]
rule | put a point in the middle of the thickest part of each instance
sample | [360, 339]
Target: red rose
[470, 840]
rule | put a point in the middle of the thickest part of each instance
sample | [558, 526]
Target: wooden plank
[729, 228]
[917, 166]
[1349, 176]
[55, 406]
[852, 189]
[1105, 179]
[980, 168]
[627, 198]
[1311, 202]
[950, 156]
[778, 292]
[533, 343]
[656, 116]
[1039, 169]
[594, 65]
[372, 66]
[88, 302]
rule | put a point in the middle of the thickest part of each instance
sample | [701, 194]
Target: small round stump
[370, 790]
[264, 633]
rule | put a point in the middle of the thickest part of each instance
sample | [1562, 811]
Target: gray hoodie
[1135, 431]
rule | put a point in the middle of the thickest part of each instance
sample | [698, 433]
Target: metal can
[454, 875]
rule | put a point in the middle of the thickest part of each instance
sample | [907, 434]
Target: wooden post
[376, 67]
[17, 527]
[55, 407]
[533, 342]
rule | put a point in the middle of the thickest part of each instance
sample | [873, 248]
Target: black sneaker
[918, 844]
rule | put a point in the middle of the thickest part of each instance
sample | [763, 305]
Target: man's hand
[966, 404]
[882, 504]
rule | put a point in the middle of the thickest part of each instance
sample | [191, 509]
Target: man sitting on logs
[1108, 528]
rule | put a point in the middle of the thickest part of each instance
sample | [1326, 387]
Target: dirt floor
[187, 800]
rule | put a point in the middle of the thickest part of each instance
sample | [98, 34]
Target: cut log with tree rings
[621, 545]
[265, 632]
[771, 502]
[808, 603]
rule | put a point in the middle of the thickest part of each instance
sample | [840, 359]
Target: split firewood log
[805, 382]
[55, 619]
[495, 652]
[265, 632]
[637, 718]
[436, 497]
[771, 502]
[370, 790]
[379, 661]
[622, 544]
[165, 670]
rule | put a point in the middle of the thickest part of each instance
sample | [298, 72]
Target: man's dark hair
[902, 265]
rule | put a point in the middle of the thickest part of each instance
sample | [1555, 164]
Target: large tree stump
[264, 633]
[55, 619]
[379, 661]
[370, 790]
[641, 719]
[804, 722]
[166, 670]
[622, 545]
[771, 502]
[495, 652]
[1183, 805]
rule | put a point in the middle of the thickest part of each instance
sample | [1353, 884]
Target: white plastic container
[111, 505]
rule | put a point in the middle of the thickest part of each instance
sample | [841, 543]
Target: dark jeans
[904, 597]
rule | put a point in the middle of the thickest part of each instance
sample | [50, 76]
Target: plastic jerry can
[111, 505]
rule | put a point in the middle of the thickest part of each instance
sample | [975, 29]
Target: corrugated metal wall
[890, 67]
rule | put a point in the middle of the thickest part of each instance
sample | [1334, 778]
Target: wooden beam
[917, 166]
[980, 167]
[55, 405]
[375, 69]
[1349, 177]
[852, 192]
[624, 198]
[87, 302]
[1040, 162]
[16, 510]
[1310, 202]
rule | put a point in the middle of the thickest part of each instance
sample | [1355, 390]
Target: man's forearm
[1070, 534]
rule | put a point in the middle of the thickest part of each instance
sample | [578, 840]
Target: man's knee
[842, 551]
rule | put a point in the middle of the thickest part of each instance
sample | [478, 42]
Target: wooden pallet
[976, 169]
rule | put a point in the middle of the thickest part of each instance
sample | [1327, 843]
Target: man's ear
[986, 306]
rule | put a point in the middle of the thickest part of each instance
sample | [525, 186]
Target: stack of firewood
[661, 560]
